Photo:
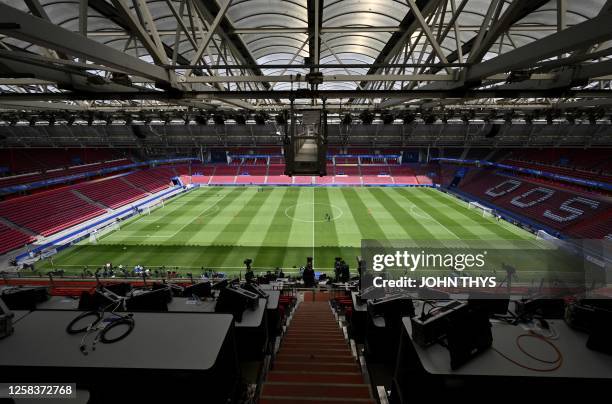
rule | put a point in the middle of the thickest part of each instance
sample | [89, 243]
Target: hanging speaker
[493, 131]
[138, 132]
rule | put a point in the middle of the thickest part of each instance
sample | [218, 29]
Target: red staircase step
[314, 363]
[316, 367]
[319, 358]
[300, 345]
[320, 377]
[304, 350]
[315, 390]
[318, 400]
[305, 334]
[314, 340]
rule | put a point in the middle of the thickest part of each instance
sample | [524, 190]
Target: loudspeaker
[493, 131]
[138, 132]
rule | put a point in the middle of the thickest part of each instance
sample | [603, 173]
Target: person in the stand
[249, 275]
[337, 270]
[344, 273]
[309, 276]
[280, 273]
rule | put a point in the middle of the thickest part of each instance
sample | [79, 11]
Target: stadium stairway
[127, 181]
[89, 200]
[314, 364]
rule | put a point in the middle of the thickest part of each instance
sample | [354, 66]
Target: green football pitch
[219, 227]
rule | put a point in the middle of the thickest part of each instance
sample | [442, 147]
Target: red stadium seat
[578, 214]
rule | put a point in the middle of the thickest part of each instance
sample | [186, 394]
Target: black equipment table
[167, 356]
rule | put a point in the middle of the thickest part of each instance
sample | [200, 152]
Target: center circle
[303, 212]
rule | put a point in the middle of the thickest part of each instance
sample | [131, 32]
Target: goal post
[95, 235]
[542, 235]
[486, 212]
[154, 205]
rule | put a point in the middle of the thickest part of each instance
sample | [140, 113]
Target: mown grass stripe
[429, 213]
[326, 233]
[161, 215]
[203, 230]
[278, 231]
[413, 228]
[489, 225]
[446, 215]
[368, 226]
[262, 219]
[231, 232]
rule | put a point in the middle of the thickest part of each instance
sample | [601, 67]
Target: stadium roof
[259, 54]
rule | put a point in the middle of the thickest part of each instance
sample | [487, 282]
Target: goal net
[95, 235]
[486, 212]
[154, 205]
[542, 235]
